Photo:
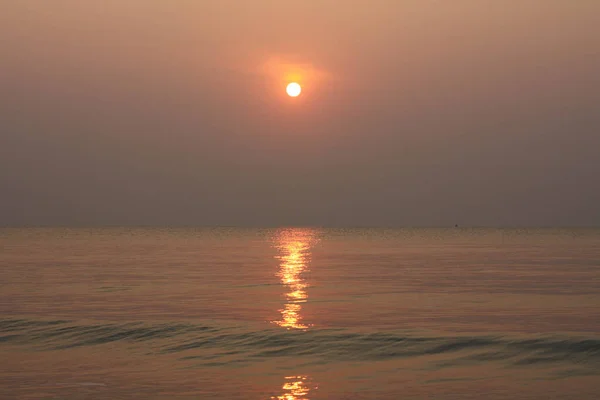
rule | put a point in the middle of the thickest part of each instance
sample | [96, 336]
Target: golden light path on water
[294, 247]
[294, 254]
[295, 388]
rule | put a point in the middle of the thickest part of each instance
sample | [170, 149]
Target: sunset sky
[413, 113]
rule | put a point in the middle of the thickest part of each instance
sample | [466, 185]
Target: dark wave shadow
[216, 344]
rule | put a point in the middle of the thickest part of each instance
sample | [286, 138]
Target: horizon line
[292, 226]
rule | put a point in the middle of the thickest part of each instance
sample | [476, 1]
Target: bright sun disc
[293, 89]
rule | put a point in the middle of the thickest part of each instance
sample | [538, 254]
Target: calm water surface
[299, 314]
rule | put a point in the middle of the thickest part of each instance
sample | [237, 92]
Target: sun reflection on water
[295, 388]
[294, 254]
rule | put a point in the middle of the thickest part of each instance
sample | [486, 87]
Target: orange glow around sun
[299, 78]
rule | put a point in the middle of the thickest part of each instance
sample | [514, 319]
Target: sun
[293, 89]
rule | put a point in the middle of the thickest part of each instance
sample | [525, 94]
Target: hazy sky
[422, 112]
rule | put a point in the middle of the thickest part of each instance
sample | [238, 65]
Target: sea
[299, 313]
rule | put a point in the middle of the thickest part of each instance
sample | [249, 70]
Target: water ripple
[234, 345]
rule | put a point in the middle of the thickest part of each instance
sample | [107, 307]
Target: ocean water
[298, 314]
